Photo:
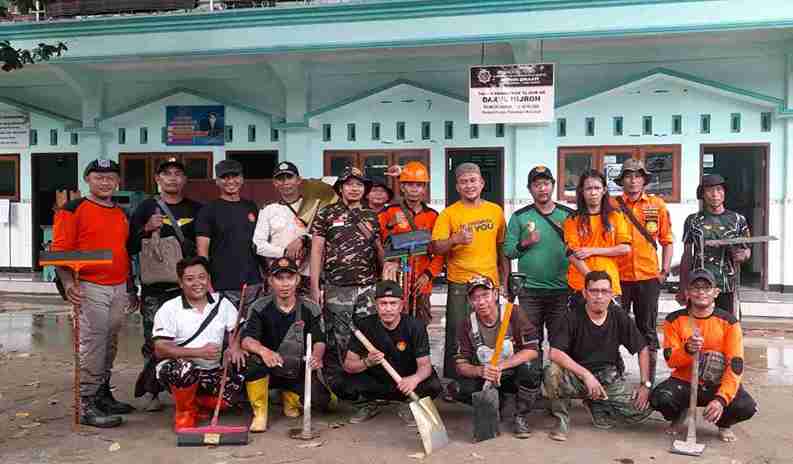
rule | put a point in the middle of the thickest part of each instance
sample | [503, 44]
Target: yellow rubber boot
[258, 395]
[292, 406]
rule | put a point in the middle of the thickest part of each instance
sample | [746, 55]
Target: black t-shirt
[229, 225]
[185, 213]
[269, 325]
[401, 346]
[594, 346]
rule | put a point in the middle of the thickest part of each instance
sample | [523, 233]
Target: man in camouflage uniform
[585, 362]
[714, 222]
[346, 251]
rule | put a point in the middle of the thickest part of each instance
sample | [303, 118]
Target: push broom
[214, 434]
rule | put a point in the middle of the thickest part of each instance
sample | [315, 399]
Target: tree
[16, 58]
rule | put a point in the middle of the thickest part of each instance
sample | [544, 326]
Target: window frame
[152, 159]
[15, 158]
[597, 152]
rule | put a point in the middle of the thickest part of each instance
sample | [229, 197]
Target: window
[164, 135]
[251, 133]
[122, 136]
[274, 135]
[474, 131]
[735, 122]
[677, 124]
[256, 165]
[9, 177]
[647, 125]
[74, 138]
[138, 169]
[448, 130]
[765, 123]
[53, 137]
[499, 130]
[228, 133]
[589, 125]
[351, 132]
[619, 128]
[326, 133]
[426, 130]
[662, 161]
[561, 127]
[704, 124]
[400, 130]
[375, 131]
[34, 137]
[144, 135]
[373, 163]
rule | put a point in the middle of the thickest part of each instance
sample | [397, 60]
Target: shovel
[306, 433]
[690, 447]
[428, 420]
[486, 403]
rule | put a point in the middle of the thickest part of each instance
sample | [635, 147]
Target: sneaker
[365, 412]
[406, 415]
[154, 404]
[599, 419]
[522, 428]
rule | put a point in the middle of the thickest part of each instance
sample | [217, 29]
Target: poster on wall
[195, 125]
[14, 129]
[511, 94]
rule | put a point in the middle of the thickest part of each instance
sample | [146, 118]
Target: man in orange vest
[411, 215]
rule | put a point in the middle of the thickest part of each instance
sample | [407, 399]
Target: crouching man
[476, 340]
[188, 337]
[585, 362]
[275, 337]
[715, 336]
[400, 339]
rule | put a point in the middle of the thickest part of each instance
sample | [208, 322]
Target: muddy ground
[36, 392]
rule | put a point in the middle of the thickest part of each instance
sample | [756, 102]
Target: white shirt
[276, 228]
[178, 321]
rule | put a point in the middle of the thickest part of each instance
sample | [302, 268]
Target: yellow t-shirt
[480, 257]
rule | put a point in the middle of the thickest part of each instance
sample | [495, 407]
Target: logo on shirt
[484, 224]
[401, 345]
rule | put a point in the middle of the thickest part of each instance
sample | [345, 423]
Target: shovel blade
[486, 414]
[687, 448]
[429, 424]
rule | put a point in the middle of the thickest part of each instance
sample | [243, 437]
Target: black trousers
[375, 384]
[642, 297]
[671, 398]
[511, 381]
[544, 308]
[256, 369]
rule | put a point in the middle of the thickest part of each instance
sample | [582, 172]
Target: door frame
[452, 151]
[765, 150]
[34, 198]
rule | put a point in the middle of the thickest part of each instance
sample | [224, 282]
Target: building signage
[511, 94]
[14, 129]
[195, 125]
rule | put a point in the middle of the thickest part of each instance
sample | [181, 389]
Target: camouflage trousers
[561, 385]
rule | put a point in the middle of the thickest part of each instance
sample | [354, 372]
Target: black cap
[540, 171]
[168, 163]
[479, 281]
[286, 167]
[710, 180]
[387, 288]
[702, 274]
[228, 166]
[102, 165]
[283, 264]
[352, 173]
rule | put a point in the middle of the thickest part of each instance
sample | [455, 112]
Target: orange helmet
[414, 171]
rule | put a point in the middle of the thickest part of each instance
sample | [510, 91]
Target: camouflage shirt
[350, 251]
[718, 260]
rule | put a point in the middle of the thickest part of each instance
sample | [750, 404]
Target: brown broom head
[219, 435]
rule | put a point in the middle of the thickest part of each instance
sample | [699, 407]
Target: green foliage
[13, 58]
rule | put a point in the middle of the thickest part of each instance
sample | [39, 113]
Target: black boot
[524, 401]
[95, 417]
[107, 404]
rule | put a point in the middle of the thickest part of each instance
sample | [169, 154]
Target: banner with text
[511, 94]
[14, 129]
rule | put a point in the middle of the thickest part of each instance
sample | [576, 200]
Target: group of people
[321, 261]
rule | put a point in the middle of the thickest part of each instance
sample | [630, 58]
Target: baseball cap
[170, 162]
[102, 165]
[702, 274]
[540, 171]
[228, 166]
[283, 264]
[710, 180]
[479, 281]
[387, 288]
[286, 167]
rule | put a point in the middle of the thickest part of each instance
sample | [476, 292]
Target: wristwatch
[647, 384]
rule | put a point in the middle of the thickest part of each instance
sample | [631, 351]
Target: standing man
[411, 215]
[404, 342]
[275, 336]
[470, 234]
[476, 341]
[585, 362]
[148, 218]
[650, 226]
[712, 223]
[103, 293]
[346, 251]
[595, 235]
[705, 330]
[536, 238]
[379, 196]
[224, 232]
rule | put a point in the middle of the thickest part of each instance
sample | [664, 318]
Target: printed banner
[195, 125]
[511, 94]
[14, 129]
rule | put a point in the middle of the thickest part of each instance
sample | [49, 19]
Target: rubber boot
[186, 407]
[107, 403]
[208, 403]
[91, 415]
[292, 406]
[258, 395]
